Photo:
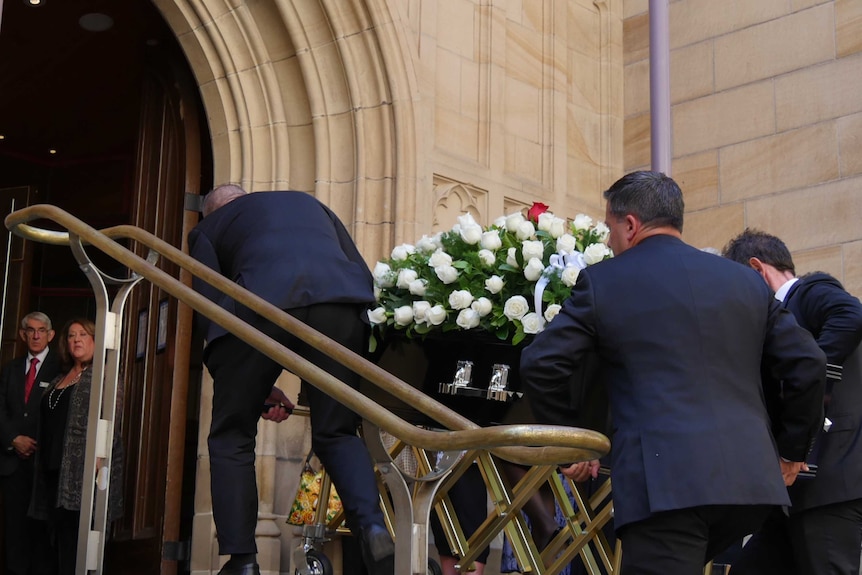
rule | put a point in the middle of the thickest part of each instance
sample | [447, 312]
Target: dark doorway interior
[70, 108]
[72, 98]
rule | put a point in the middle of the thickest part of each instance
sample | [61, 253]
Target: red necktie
[31, 379]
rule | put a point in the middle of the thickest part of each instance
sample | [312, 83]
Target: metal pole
[8, 259]
[659, 86]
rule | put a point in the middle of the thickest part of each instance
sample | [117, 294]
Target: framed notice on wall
[141, 341]
[162, 339]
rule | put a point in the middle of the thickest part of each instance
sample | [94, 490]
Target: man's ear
[758, 266]
[50, 335]
[23, 334]
[633, 226]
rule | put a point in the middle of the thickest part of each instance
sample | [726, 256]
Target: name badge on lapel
[44, 384]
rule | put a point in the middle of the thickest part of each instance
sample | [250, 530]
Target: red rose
[534, 212]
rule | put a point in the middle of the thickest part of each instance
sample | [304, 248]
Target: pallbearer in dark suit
[822, 534]
[292, 251]
[22, 382]
[680, 336]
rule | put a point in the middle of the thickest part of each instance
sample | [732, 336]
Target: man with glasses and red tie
[22, 381]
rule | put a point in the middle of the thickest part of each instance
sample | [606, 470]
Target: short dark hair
[654, 198]
[753, 243]
[88, 325]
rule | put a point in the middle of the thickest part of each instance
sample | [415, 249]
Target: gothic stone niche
[453, 198]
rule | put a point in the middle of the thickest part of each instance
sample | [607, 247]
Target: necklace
[53, 402]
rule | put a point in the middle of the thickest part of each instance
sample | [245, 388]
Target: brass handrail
[525, 444]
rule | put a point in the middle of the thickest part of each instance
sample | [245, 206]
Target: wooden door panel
[16, 271]
[157, 345]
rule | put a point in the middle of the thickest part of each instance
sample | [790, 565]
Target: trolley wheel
[434, 568]
[318, 563]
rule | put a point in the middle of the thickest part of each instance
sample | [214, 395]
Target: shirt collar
[40, 356]
[781, 294]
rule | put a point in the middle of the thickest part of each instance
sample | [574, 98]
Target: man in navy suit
[27, 542]
[680, 337]
[823, 531]
[292, 251]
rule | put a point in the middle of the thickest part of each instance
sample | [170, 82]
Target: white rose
[402, 252]
[516, 307]
[446, 274]
[570, 275]
[513, 221]
[491, 240]
[426, 245]
[566, 243]
[420, 309]
[487, 258]
[439, 258]
[406, 276]
[467, 319]
[403, 315]
[526, 230]
[494, 284]
[482, 306]
[466, 219]
[377, 316]
[534, 269]
[436, 315]
[545, 219]
[596, 253]
[418, 287]
[552, 311]
[532, 323]
[582, 222]
[377, 292]
[602, 230]
[460, 299]
[470, 231]
[558, 227]
[532, 249]
[511, 259]
[471, 235]
[383, 275]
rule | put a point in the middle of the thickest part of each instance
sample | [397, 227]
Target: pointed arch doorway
[100, 115]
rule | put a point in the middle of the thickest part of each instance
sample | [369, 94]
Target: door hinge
[193, 202]
[176, 550]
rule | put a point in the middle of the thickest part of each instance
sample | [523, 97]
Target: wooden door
[16, 271]
[159, 419]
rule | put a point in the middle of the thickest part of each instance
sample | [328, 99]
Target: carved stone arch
[310, 96]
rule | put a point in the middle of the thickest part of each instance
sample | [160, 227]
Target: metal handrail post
[101, 419]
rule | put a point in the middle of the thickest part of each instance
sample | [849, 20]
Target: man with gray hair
[294, 252]
[22, 381]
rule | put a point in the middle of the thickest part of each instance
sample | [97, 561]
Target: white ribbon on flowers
[558, 262]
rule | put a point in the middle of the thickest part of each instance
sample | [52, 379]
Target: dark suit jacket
[680, 335]
[16, 418]
[286, 247]
[822, 306]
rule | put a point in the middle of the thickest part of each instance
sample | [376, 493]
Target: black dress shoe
[378, 550]
[247, 569]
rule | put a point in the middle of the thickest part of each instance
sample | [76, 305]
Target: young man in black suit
[680, 336]
[823, 531]
[292, 251]
[22, 381]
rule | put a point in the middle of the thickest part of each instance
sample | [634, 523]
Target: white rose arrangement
[508, 279]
